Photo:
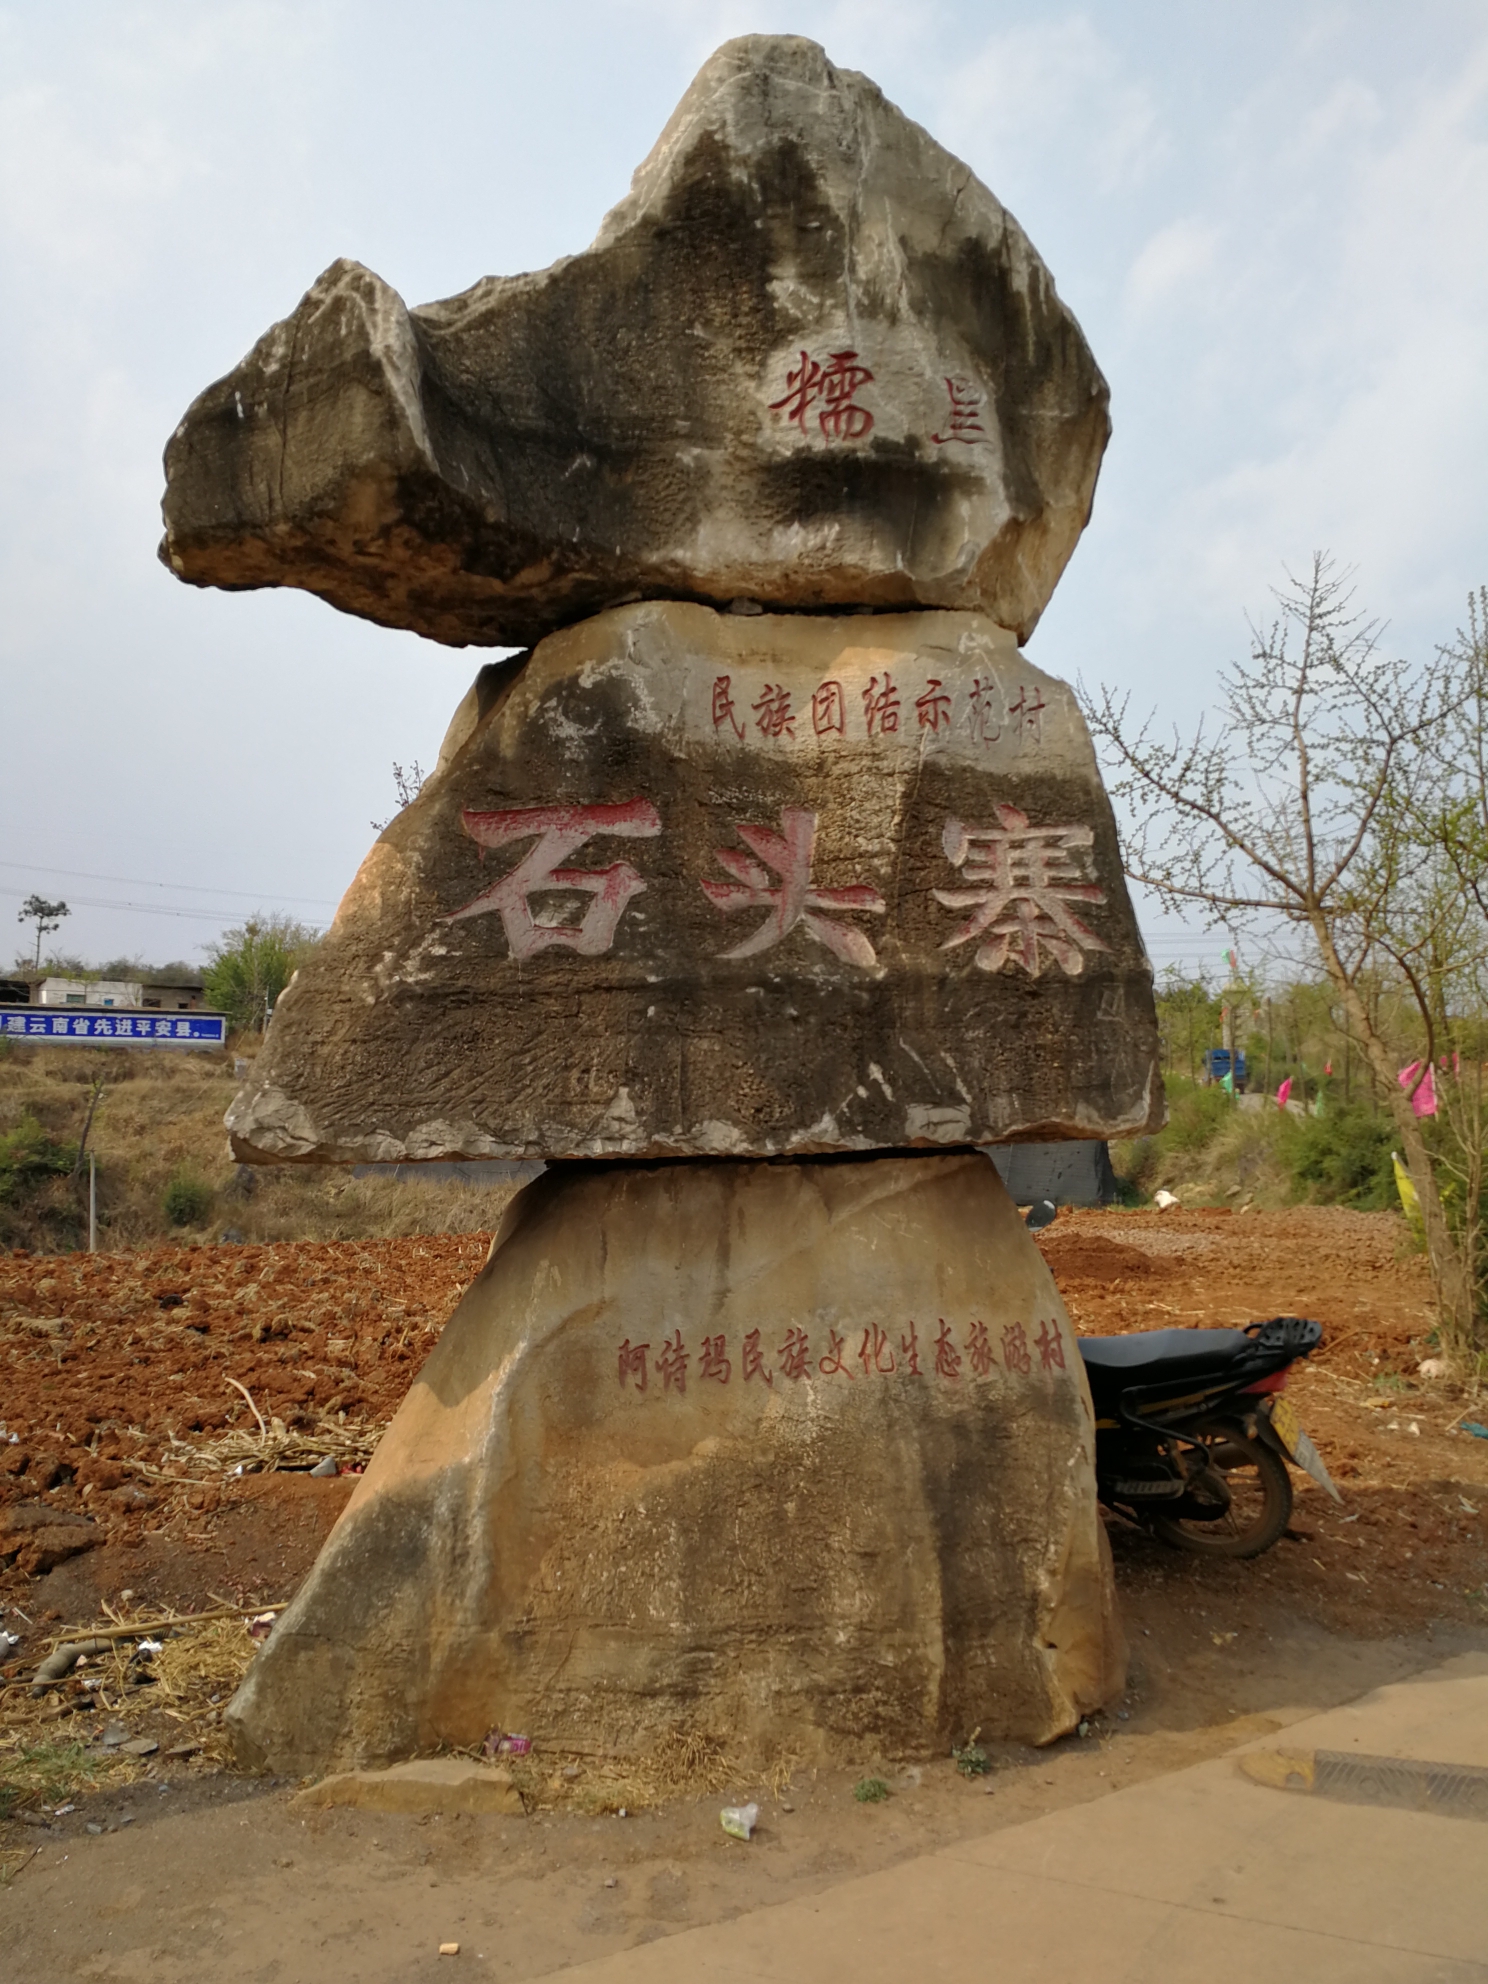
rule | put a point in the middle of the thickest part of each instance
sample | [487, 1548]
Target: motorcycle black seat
[1160, 1354]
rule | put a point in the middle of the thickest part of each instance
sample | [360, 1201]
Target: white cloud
[1176, 259]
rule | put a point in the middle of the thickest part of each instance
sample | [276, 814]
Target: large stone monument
[767, 882]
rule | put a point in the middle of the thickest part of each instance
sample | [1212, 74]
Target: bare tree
[1318, 803]
[409, 784]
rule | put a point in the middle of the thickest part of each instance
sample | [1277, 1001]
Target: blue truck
[1217, 1065]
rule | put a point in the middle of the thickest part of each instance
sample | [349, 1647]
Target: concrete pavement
[1203, 1872]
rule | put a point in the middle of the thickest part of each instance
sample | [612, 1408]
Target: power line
[143, 908]
[140, 882]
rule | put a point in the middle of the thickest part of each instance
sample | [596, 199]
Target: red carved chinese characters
[836, 386]
[1028, 712]
[672, 1361]
[795, 1354]
[772, 713]
[964, 418]
[714, 1362]
[1020, 880]
[1015, 1352]
[752, 1363]
[558, 832]
[829, 710]
[881, 706]
[723, 706]
[934, 707]
[876, 1353]
[830, 1364]
[794, 901]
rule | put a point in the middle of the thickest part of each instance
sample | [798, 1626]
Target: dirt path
[221, 1876]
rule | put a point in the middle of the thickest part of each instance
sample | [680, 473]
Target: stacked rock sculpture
[767, 883]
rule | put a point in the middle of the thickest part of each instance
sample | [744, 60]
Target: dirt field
[116, 1375]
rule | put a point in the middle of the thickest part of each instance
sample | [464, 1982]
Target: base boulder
[793, 1455]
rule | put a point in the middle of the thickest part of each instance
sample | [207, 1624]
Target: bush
[188, 1200]
[28, 1154]
[1343, 1157]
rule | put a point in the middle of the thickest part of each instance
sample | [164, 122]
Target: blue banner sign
[133, 1029]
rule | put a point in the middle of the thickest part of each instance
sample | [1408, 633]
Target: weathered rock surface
[427, 1784]
[809, 360]
[795, 1456]
[689, 882]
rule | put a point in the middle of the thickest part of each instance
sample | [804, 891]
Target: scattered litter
[94, 1829]
[324, 1470]
[1433, 1367]
[739, 1821]
[61, 1811]
[57, 1666]
[1470, 1507]
[147, 1649]
[622, 1813]
[500, 1743]
[1471, 1426]
[261, 1625]
[611, 1882]
[1163, 1200]
[449, 1949]
[1083, 1730]
[8, 1643]
[1414, 1428]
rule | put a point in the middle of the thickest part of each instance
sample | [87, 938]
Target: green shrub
[870, 1791]
[1343, 1157]
[28, 1154]
[188, 1200]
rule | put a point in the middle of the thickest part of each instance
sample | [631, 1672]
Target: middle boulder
[699, 884]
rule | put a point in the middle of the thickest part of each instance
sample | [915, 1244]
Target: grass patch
[870, 1791]
[47, 1773]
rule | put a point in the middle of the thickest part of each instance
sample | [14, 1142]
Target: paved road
[1201, 1874]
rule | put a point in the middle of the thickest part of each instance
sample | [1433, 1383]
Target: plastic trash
[739, 1821]
[1471, 1426]
[323, 1470]
[1163, 1200]
[499, 1743]
[147, 1649]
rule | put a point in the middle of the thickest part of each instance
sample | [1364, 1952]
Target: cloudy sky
[1272, 221]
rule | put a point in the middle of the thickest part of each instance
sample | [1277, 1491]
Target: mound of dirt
[1081, 1256]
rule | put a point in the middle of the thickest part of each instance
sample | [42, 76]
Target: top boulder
[809, 361]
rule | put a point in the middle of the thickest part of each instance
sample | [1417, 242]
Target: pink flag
[1283, 1094]
[1424, 1099]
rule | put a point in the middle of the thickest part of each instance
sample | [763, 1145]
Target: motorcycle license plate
[1288, 1429]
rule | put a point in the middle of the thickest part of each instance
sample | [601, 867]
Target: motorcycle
[1193, 1434]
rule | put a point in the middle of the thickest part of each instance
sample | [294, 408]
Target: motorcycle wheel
[1260, 1502]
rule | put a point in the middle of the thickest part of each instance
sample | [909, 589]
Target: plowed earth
[114, 1373]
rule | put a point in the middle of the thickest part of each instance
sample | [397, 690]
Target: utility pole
[92, 1203]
